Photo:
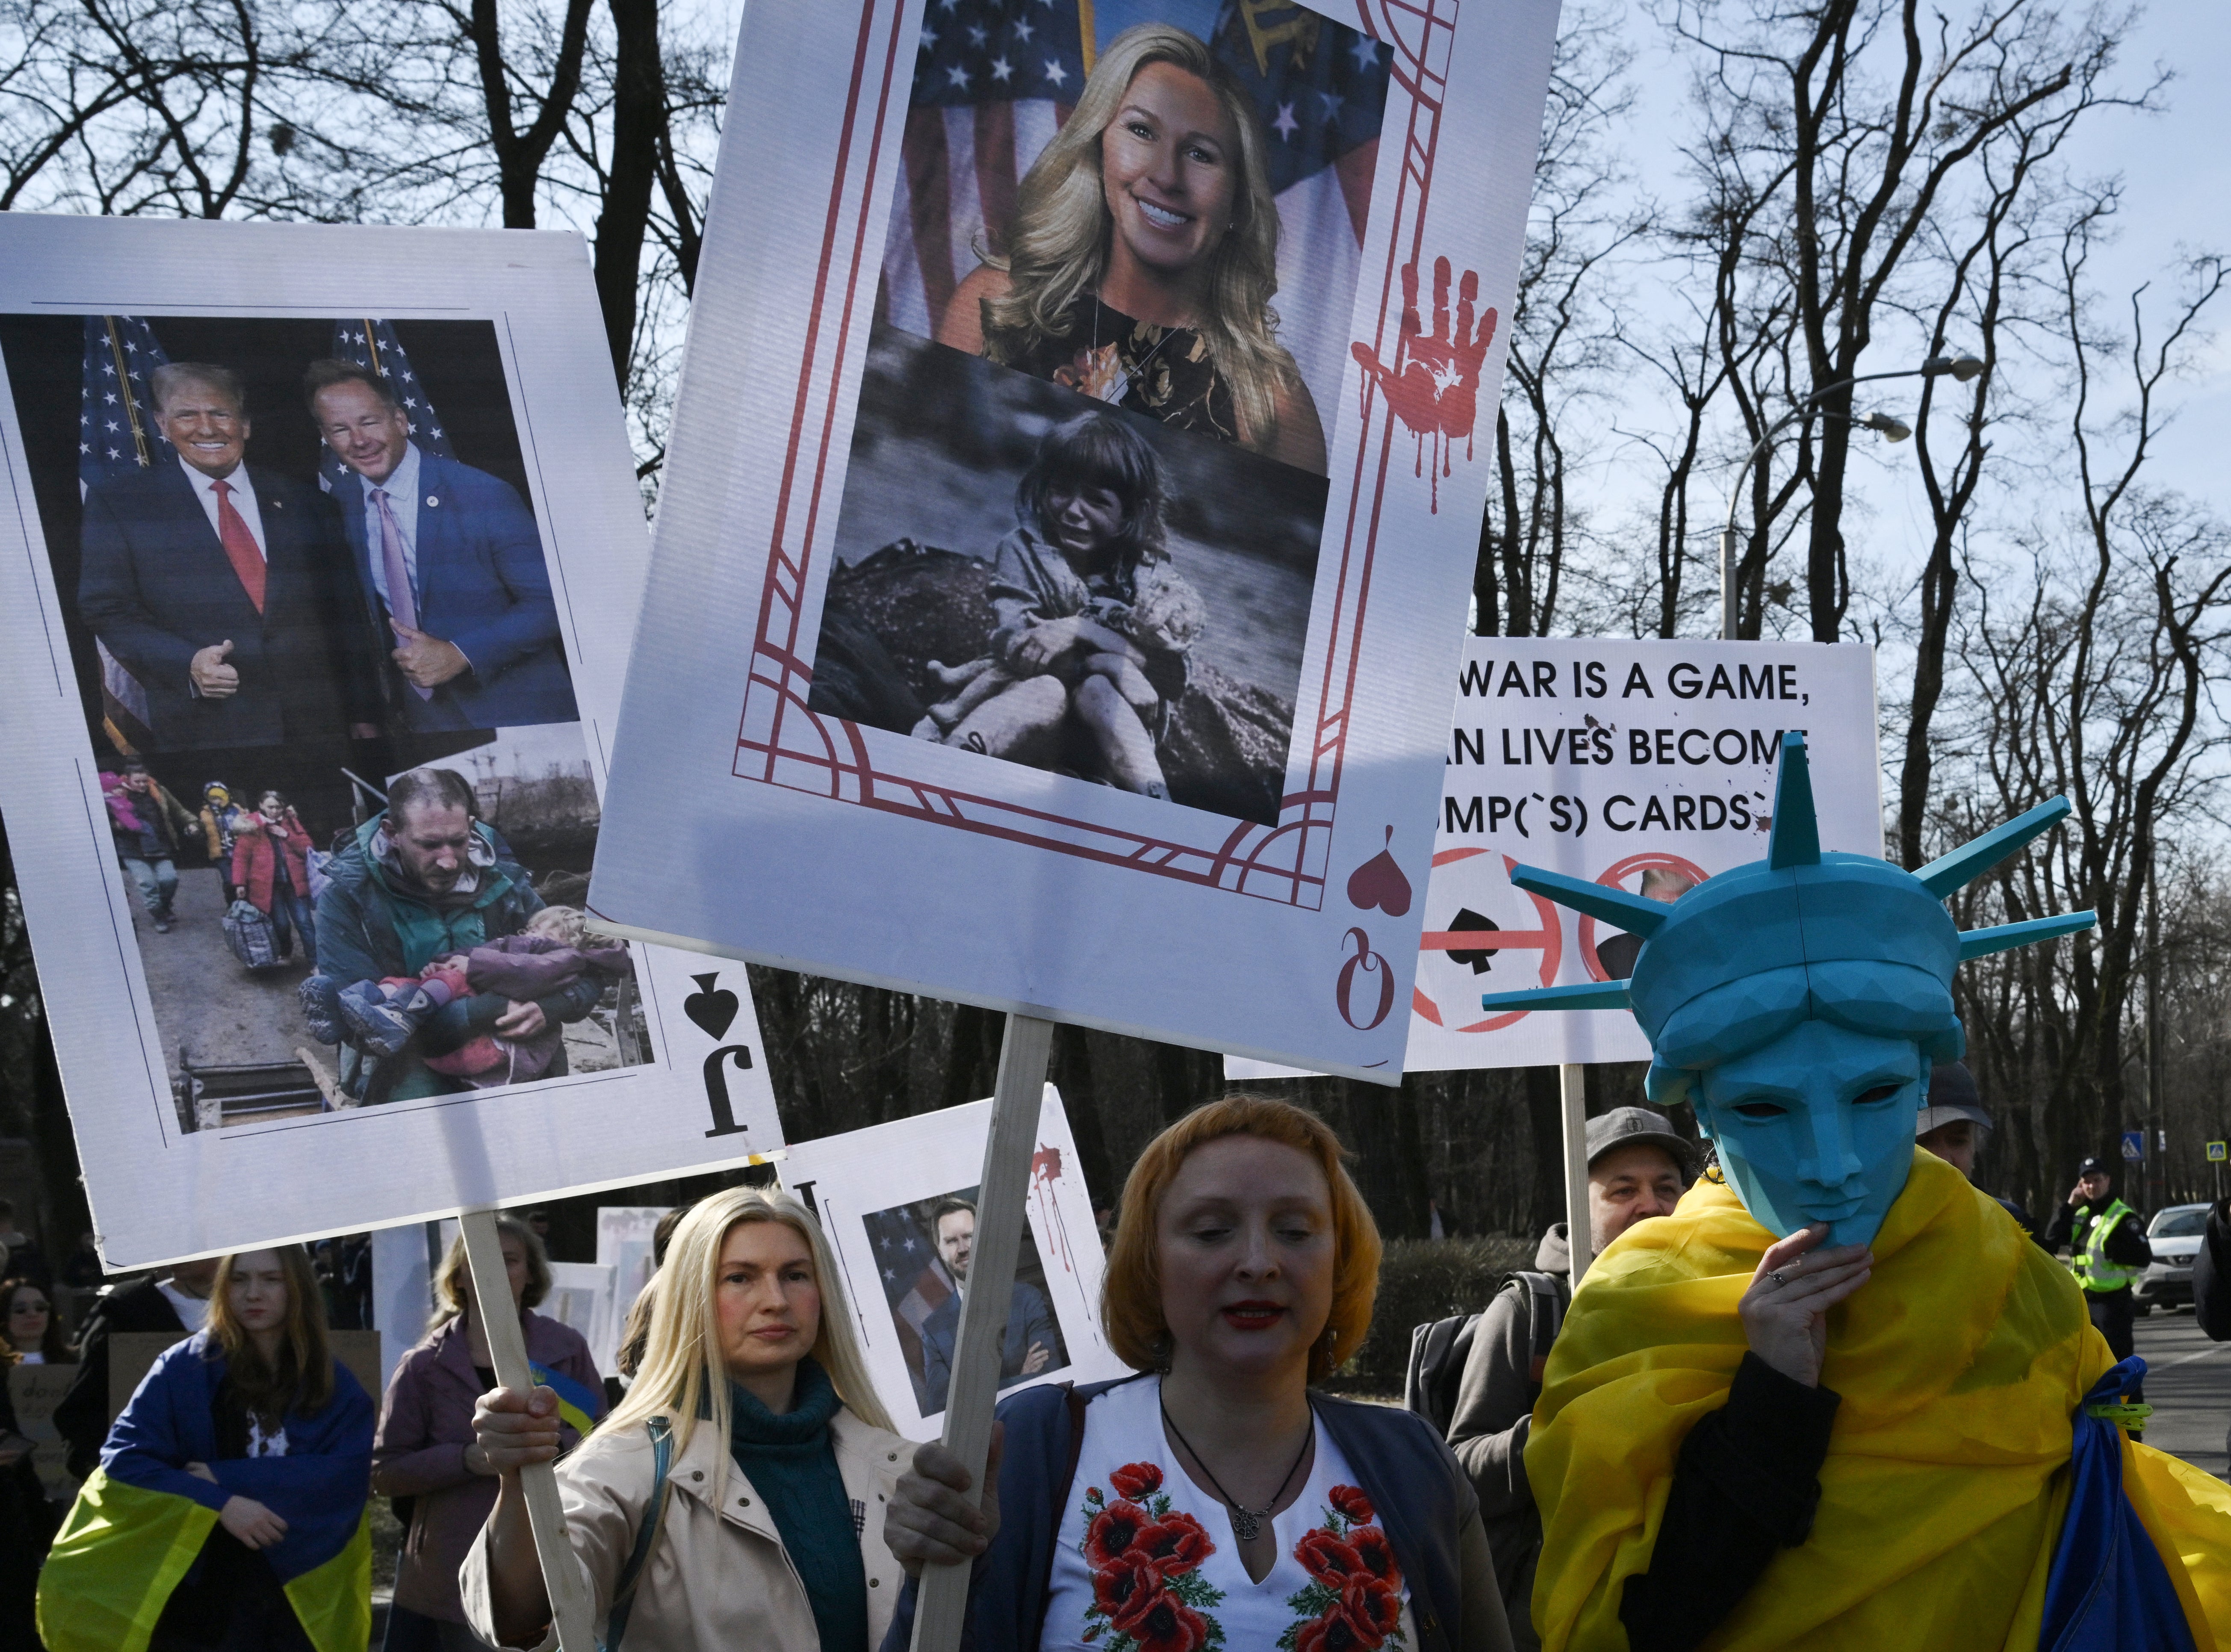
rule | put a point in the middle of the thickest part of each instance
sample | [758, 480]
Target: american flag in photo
[995, 79]
[116, 433]
[369, 342]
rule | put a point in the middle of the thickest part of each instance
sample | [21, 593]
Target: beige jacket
[719, 1577]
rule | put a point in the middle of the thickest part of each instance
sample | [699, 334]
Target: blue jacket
[156, 587]
[482, 585]
[320, 1487]
[1030, 1318]
[1424, 1499]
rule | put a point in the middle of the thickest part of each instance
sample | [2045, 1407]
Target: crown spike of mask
[1970, 860]
[1793, 843]
[1795, 839]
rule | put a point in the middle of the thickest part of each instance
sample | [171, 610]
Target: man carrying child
[426, 884]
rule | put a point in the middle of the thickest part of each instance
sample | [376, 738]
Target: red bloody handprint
[1432, 384]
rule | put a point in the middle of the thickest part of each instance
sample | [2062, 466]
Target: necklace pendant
[1244, 1525]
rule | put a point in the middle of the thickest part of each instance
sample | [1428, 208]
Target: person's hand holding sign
[931, 1521]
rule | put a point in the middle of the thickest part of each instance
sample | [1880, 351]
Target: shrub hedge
[1419, 1280]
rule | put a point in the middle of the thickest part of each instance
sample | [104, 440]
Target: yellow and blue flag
[578, 1405]
[139, 1523]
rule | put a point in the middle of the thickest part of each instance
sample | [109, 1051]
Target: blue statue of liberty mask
[1798, 1004]
[1816, 1126]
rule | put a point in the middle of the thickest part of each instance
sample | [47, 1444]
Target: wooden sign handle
[571, 1607]
[941, 1605]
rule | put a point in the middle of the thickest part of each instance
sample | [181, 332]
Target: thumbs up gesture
[213, 679]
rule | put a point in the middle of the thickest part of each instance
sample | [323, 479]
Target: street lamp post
[1962, 368]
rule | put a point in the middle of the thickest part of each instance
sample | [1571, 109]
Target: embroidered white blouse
[1145, 1561]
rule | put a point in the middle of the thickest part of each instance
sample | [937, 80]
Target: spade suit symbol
[1379, 882]
[1467, 918]
[711, 1010]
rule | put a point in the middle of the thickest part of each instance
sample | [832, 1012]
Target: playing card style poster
[321, 562]
[1648, 767]
[898, 1204]
[1073, 498]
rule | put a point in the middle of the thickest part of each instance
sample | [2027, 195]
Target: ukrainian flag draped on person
[1959, 1364]
[140, 1520]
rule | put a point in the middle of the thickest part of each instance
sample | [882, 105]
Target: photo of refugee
[1026, 575]
[923, 1253]
[297, 572]
[1139, 199]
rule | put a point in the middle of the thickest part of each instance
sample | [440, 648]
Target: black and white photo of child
[1029, 575]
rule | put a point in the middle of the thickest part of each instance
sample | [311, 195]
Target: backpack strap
[646, 1537]
[1548, 1318]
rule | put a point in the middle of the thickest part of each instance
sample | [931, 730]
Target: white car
[2175, 1235]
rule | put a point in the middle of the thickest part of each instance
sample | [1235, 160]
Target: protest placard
[627, 1243]
[247, 593]
[581, 1297]
[1646, 765]
[1008, 645]
[35, 1391]
[898, 1202]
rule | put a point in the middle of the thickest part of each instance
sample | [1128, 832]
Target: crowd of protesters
[738, 1480]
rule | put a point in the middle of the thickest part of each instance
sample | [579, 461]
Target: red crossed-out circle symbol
[1548, 941]
[1615, 877]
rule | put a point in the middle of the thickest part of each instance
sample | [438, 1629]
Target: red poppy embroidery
[1136, 1479]
[1145, 1559]
[1328, 1558]
[1353, 1503]
[1353, 1600]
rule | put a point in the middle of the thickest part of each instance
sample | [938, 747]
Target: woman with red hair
[1214, 1499]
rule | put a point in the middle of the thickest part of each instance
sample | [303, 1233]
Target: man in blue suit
[453, 562]
[1033, 1340]
[225, 591]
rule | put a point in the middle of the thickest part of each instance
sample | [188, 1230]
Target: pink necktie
[239, 544]
[399, 603]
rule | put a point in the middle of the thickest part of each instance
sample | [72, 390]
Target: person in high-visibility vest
[2107, 1250]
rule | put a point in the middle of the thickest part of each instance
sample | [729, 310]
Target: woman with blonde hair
[1215, 1498]
[424, 1456]
[1144, 254]
[229, 1508]
[736, 1496]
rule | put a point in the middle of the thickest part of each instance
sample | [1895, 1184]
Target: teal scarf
[791, 1461]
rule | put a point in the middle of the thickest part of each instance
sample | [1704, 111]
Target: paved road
[2189, 1385]
[204, 999]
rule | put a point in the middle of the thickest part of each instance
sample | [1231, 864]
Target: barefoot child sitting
[1093, 621]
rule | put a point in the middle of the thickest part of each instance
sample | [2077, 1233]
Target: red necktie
[239, 544]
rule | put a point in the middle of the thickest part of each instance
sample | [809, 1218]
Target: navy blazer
[1423, 1498]
[1030, 1318]
[156, 586]
[482, 585]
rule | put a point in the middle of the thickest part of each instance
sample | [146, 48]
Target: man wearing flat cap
[1638, 1168]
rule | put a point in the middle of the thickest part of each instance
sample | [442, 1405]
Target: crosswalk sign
[2134, 1144]
[2217, 1151]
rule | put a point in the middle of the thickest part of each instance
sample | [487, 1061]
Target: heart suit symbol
[1379, 882]
[710, 1010]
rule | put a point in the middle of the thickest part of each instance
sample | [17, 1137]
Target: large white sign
[1009, 645]
[897, 1202]
[1645, 765]
[297, 510]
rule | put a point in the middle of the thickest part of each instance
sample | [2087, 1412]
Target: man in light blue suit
[451, 562]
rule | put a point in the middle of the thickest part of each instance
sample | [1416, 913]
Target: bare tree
[2097, 660]
[1559, 331]
[1860, 122]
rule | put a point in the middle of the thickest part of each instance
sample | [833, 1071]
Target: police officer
[2108, 1250]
